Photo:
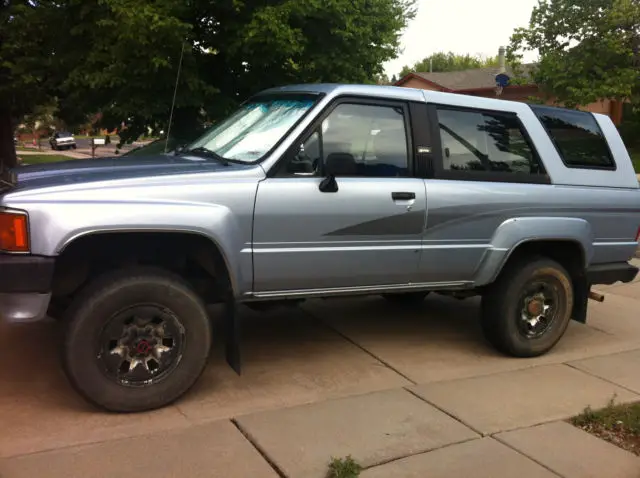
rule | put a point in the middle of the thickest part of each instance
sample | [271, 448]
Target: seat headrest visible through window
[341, 164]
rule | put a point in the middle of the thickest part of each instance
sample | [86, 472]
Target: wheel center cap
[143, 347]
[535, 307]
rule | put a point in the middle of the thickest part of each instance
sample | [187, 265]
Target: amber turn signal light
[14, 233]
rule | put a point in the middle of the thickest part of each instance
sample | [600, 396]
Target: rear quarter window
[577, 137]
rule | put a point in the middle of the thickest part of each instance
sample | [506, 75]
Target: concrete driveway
[407, 392]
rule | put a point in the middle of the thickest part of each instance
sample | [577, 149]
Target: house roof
[477, 78]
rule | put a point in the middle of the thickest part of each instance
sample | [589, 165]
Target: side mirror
[328, 184]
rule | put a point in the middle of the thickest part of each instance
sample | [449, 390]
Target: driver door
[363, 233]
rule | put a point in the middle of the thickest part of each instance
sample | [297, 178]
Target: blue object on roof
[502, 80]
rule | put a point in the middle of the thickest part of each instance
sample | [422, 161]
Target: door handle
[403, 196]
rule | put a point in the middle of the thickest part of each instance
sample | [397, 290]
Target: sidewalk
[406, 393]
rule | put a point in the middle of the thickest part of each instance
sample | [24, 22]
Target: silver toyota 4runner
[317, 191]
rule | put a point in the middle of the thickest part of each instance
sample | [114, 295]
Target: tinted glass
[372, 137]
[480, 141]
[577, 137]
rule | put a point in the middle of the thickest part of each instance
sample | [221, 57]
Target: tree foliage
[450, 61]
[589, 49]
[121, 57]
[25, 65]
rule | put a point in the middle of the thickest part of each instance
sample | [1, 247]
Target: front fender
[516, 231]
[53, 231]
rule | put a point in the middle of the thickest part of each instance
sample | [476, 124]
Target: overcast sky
[461, 26]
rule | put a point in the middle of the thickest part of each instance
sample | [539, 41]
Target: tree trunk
[8, 157]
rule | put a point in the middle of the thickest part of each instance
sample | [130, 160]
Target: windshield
[255, 128]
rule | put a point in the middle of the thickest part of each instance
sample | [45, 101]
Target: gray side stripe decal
[396, 225]
[449, 216]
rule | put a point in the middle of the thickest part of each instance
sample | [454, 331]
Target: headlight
[14, 231]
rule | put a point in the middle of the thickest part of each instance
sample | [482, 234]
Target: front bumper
[25, 287]
[27, 307]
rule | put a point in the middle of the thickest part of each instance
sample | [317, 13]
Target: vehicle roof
[398, 93]
[392, 92]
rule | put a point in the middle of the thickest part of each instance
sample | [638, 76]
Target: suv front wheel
[136, 339]
[528, 309]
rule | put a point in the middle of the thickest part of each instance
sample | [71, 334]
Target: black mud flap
[232, 335]
[581, 290]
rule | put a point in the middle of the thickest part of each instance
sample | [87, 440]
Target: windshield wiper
[206, 153]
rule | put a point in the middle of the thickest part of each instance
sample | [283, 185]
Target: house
[482, 82]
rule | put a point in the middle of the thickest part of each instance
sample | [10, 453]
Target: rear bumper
[25, 287]
[611, 273]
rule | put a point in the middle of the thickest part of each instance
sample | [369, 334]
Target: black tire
[58, 308]
[406, 298]
[96, 312]
[54, 147]
[507, 300]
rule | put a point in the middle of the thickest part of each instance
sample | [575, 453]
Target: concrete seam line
[259, 449]
[353, 342]
[100, 441]
[586, 372]
[527, 456]
[409, 455]
[449, 414]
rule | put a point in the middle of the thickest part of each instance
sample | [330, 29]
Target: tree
[25, 66]
[383, 79]
[121, 57]
[589, 49]
[441, 61]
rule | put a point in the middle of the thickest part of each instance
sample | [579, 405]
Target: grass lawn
[617, 424]
[43, 158]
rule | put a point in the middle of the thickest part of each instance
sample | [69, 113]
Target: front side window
[357, 140]
[577, 137]
[485, 141]
[255, 128]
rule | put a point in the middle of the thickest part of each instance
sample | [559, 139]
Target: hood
[77, 171]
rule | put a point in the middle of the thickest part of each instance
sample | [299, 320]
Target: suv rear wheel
[136, 339]
[528, 309]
